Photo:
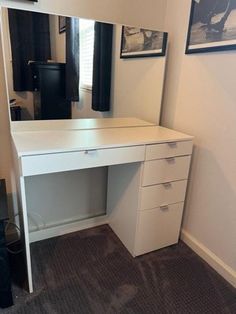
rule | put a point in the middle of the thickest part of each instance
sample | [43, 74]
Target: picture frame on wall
[62, 24]
[140, 42]
[212, 26]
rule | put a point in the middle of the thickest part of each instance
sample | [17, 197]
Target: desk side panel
[23, 218]
[123, 200]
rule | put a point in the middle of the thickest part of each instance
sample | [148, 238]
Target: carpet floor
[91, 272]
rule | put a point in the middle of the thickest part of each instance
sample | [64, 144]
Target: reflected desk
[148, 170]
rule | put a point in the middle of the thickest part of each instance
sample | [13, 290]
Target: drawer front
[165, 170]
[163, 194]
[158, 228]
[171, 149]
[59, 162]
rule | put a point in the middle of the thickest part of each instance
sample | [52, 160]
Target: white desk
[148, 171]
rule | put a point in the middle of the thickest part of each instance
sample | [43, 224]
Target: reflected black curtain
[102, 63]
[30, 41]
[72, 59]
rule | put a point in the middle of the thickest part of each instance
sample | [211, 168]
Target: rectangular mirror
[70, 68]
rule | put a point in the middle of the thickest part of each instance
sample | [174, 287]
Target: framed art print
[212, 26]
[140, 42]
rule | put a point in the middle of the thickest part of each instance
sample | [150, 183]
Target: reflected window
[86, 53]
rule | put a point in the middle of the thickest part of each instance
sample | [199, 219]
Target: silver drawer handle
[164, 207]
[170, 159]
[167, 185]
[90, 152]
[173, 144]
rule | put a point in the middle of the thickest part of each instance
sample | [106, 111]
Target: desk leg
[26, 234]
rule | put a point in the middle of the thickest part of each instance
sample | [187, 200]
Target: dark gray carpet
[91, 272]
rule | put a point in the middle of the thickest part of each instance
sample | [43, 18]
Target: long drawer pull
[173, 144]
[164, 207]
[170, 160]
[167, 185]
[90, 152]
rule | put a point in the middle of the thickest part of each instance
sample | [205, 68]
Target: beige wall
[4, 126]
[200, 98]
[149, 13]
[5, 140]
[67, 197]
[58, 41]
[137, 85]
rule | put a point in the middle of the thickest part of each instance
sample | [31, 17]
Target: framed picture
[62, 24]
[212, 26]
[140, 42]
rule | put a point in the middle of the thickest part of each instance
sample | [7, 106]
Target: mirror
[38, 70]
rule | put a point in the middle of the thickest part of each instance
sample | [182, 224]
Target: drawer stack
[163, 188]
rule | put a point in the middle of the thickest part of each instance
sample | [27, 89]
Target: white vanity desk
[147, 176]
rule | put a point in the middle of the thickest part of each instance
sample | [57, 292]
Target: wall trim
[67, 228]
[214, 261]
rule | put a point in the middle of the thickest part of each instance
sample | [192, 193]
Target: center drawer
[165, 170]
[162, 194]
[68, 161]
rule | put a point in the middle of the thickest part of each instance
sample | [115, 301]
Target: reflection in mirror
[62, 68]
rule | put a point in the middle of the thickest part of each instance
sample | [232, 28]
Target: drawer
[163, 194]
[171, 149]
[59, 162]
[158, 228]
[165, 170]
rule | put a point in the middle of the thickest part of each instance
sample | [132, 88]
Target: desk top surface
[77, 124]
[55, 141]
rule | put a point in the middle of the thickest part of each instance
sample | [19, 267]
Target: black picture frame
[61, 24]
[213, 41]
[152, 52]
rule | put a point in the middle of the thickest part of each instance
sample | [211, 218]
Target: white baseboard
[67, 228]
[214, 261]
